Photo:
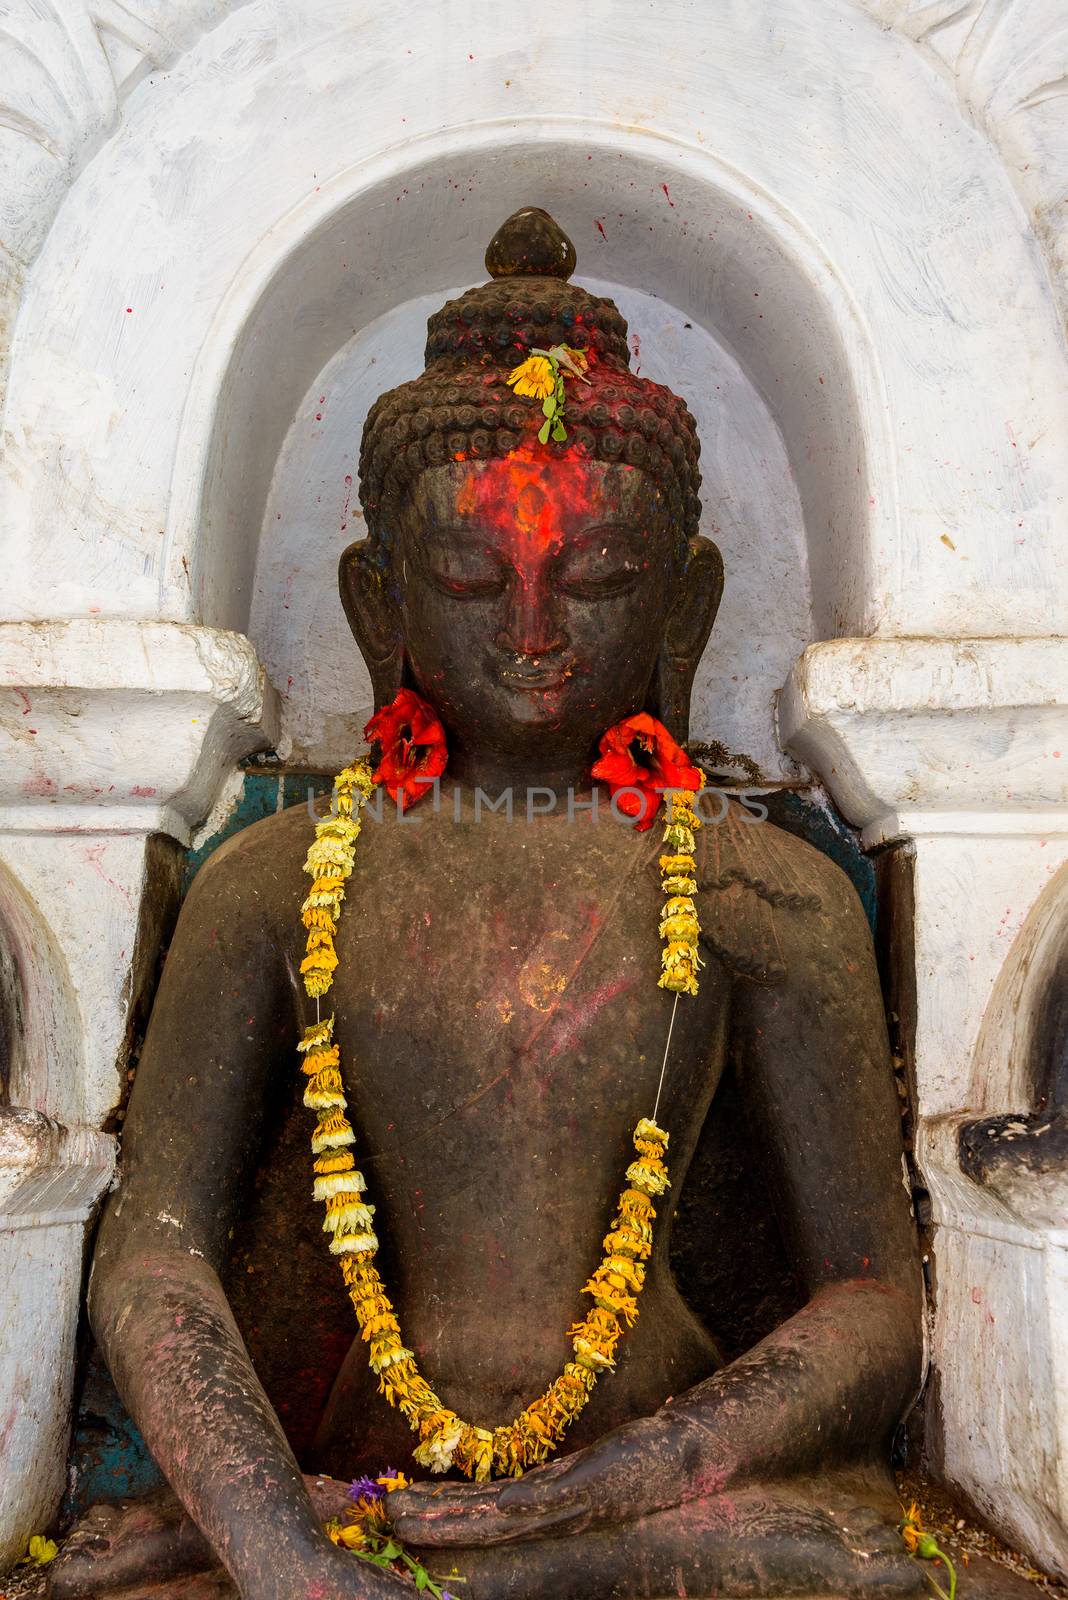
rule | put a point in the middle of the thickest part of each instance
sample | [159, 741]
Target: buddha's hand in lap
[336, 1574]
[633, 1471]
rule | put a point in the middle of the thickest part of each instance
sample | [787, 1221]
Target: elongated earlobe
[685, 637]
[373, 619]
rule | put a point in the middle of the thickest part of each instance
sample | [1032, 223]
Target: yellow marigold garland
[445, 1440]
[679, 927]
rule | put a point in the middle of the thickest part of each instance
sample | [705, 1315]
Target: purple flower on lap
[366, 1489]
[371, 1490]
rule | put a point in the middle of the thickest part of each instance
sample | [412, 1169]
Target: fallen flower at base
[924, 1547]
[39, 1552]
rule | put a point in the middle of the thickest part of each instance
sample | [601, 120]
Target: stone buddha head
[533, 592]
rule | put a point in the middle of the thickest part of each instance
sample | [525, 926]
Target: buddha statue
[535, 577]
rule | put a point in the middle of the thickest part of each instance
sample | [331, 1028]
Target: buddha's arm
[829, 1385]
[221, 1023]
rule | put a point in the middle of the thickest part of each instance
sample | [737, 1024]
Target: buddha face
[533, 595]
[533, 601]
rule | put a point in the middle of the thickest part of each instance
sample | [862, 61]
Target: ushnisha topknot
[461, 408]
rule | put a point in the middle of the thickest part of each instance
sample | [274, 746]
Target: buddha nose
[532, 624]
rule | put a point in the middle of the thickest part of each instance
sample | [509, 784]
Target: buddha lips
[445, 1439]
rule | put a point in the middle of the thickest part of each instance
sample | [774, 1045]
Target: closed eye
[593, 577]
[465, 573]
[600, 588]
[466, 588]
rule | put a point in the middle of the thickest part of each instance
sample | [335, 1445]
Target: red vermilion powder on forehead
[530, 499]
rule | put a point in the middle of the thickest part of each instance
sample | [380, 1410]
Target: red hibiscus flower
[412, 744]
[639, 757]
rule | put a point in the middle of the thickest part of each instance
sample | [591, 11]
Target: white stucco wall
[213, 213]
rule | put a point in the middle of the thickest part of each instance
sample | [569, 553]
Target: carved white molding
[65, 69]
[926, 736]
[49, 1174]
[117, 726]
[1008, 61]
[112, 730]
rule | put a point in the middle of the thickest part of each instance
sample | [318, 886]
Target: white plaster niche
[725, 314]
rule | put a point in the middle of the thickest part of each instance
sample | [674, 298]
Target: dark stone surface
[1035, 1143]
[501, 1033]
[529, 243]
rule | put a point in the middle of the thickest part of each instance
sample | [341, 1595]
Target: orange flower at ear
[413, 750]
[639, 754]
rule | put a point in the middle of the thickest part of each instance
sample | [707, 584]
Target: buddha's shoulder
[743, 841]
[263, 863]
[258, 862]
[767, 897]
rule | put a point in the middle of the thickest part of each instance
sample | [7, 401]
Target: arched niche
[740, 273]
[1015, 1068]
[283, 454]
[42, 1027]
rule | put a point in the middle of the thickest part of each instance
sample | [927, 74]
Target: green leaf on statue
[543, 433]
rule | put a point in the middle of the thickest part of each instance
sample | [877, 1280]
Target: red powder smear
[667, 196]
[527, 498]
[600, 229]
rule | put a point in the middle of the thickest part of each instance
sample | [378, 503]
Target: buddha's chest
[497, 995]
